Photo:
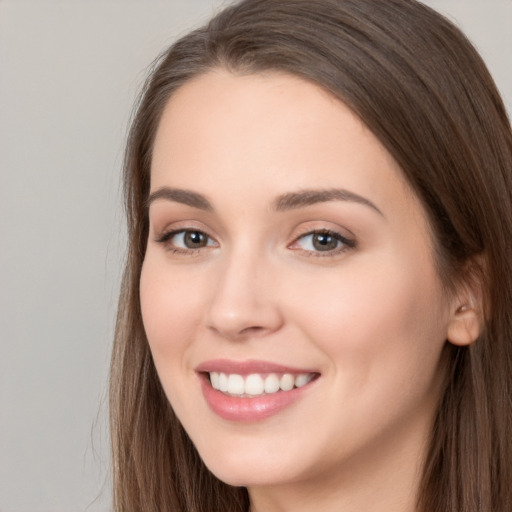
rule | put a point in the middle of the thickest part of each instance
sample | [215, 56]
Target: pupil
[194, 239]
[323, 242]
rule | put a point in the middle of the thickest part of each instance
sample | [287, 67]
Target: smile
[255, 384]
[251, 391]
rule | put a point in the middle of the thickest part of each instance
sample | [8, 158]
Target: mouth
[252, 390]
[257, 384]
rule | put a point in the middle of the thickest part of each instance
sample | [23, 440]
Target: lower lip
[249, 409]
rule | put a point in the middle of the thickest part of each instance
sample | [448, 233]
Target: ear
[467, 316]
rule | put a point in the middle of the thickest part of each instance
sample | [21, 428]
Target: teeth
[302, 380]
[287, 382]
[223, 382]
[256, 384]
[271, 383]
[236, 384]
[215, 380]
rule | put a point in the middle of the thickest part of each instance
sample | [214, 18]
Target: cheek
[377, 321]
[169, 308]
[383, 338]
[171, 314]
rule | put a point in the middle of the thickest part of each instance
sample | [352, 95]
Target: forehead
[227, 129]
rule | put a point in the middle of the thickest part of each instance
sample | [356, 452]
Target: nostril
[253, 331]
[246, 332]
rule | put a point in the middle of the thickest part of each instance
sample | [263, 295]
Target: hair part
[423, 90]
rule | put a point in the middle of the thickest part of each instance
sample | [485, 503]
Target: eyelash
[167, 237]
[346, 243]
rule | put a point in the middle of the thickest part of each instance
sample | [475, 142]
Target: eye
[322, 241]
[186, 240]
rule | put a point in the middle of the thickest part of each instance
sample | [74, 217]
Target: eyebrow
[304, 198]
[285, 202]
[177, 195]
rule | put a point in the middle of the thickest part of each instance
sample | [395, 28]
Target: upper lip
[247, 367]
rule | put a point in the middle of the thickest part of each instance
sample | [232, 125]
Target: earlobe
[468, 316]
[465, 325]
[466, 322]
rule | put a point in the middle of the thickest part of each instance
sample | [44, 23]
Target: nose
[244, 302]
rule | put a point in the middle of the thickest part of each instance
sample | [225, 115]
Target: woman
[316, 307]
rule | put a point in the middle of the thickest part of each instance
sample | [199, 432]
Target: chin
[253, 461]
[246, 474]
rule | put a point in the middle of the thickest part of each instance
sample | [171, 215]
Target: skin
[369, 316]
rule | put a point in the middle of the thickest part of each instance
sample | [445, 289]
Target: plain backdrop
[69, 73]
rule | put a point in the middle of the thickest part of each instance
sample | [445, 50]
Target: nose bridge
[243, 302]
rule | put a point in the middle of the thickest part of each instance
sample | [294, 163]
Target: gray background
[69, 74]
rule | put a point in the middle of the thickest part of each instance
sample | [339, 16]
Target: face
[288, 291]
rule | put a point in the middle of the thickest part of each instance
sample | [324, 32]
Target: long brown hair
[423, 90]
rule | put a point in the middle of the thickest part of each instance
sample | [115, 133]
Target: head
[425, 97]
